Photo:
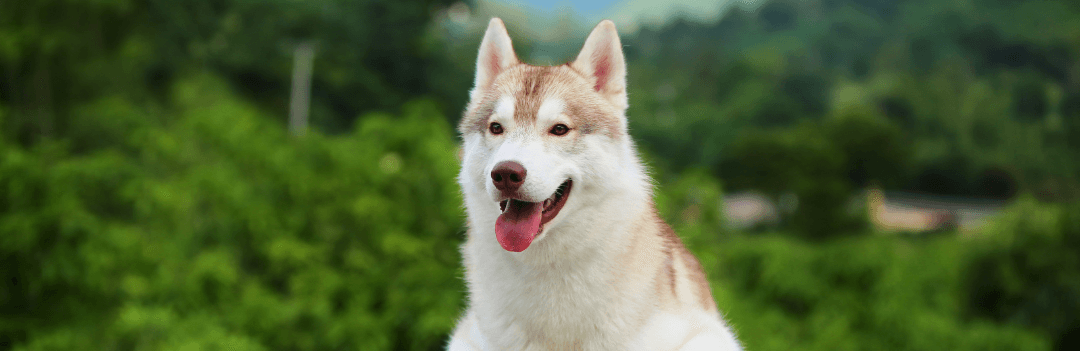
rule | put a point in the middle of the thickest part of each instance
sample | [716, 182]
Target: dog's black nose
[508, 176]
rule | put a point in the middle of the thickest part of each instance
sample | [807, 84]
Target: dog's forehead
[532, 87]
[545, 95]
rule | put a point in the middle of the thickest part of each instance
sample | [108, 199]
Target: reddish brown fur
[696, 274]
[669, 265]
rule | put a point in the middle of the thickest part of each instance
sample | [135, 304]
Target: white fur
[550, 112]
[574, 287]
[504, 111]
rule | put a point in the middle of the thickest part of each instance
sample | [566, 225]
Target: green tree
[1027, 270]
[217, 230]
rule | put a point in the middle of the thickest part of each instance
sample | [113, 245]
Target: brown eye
[495, 128]
[560, 129]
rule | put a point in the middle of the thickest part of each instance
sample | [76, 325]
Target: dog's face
[540, 140]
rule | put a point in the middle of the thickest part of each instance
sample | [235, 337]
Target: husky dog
[565, 249]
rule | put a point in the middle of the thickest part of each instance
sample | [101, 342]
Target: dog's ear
[496, 54]
[602, 59]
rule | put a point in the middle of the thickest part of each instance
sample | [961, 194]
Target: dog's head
[539, 141]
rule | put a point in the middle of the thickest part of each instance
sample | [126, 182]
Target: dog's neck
[580, 273]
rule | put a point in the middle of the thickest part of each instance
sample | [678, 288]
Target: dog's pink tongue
[516, 228]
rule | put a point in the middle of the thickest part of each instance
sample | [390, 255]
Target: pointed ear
[496, 54]
[602, 60]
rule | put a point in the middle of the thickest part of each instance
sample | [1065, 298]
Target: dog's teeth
[547, 203]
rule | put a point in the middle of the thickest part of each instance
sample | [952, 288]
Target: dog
[565, 249]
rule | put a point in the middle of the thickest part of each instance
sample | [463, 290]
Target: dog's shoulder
[684, 279]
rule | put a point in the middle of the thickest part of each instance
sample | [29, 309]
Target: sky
[586, 8]
[631, 14]
[544, 20]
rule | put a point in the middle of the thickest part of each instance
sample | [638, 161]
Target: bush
[782, 292]
[1027, 270]
[217, 230]
[862, 293]
[801, 163]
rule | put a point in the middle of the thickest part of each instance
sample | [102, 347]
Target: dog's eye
[560, 129]
[495, 128]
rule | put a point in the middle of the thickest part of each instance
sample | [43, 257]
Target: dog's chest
[559, 309]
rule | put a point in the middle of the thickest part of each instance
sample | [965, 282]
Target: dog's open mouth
[520, 221]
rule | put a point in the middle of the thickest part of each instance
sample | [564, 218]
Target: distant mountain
[545, 36]
[634, 14]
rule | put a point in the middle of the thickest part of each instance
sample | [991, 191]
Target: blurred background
[279, 174]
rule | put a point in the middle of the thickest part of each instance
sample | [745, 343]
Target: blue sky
[632, 14]
[586, 8]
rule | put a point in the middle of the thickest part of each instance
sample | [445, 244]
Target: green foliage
[875, 150]
[1028, 269]
[219, 231]
[856, 294]
[818, 165]
[988, 94]
[1009, 287]
[776, 162]
[58, 55]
